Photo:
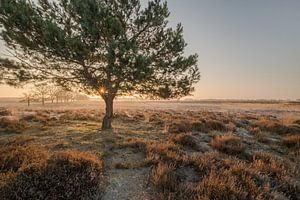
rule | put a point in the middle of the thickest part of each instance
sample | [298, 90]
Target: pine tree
[102, 47]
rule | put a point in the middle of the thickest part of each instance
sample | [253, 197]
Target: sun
[102, 90]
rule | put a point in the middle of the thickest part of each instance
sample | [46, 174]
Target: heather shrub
[5, 112]
[292, 141]
[228, 143]
[37, 117]
[16, 157]
[186, 139]
[12, 125]
[178, 127]
[297, 122]
[205, 126]
[81, 115]
[40, 175]
[164, 177]
[276, 126]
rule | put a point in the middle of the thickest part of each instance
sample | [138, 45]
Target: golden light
[102, 90]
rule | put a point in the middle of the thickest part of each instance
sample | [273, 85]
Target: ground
[172, 150]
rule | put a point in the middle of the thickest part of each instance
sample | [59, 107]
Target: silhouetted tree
[28, 97]
[101, 47]
[52, 91]
[41, 93]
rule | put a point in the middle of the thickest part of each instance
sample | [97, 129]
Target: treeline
[50, 93]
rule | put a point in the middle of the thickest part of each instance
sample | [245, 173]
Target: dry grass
[276, 126]
[30, 172]
[16, 157]
[204, 126]
[228, 143]
[12, 125]
[209, 125]
[226, 178]
[186, 139]
[217, 175]
[5, 112]
[179, 169]
[38, 117]
[134, 143]
[164, 177]
[260, 136]
[81, 115]
[292, 141]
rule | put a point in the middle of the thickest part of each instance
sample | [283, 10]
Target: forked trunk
[107, 120]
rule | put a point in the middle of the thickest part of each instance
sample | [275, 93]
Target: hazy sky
[247, 48]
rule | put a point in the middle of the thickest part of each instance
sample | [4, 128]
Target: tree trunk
[107, 120]
[28, 102]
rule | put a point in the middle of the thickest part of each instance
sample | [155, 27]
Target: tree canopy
[102, 47]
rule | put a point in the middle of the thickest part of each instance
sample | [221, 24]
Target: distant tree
[28, 97]
[101, 47]
[59, 94]
[40, 92]
[52, 91]
[68, 96]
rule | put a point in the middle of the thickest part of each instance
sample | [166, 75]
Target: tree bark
[107, 120]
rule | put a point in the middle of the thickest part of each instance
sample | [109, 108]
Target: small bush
[164, 178]
[262, 137]
[292, 141]
[186, 139]
[279, 171]
[134, 143]
[81, 115]
[62, 175]
[275, 126]
[202, 126]
[154, 119]
[167, 151]
[12, 125]
[228, 143]
[209, 125]
[38, 117]
[178, 127]
[15, 157]
[5, 112]
[218, 185]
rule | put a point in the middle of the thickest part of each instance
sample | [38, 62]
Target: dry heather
[5, 112]
[292, 141]
[222, 177]
[178, 174]
[186, 139]
[12, 125]
[15, 157]
[180, 171]
[228, 143]
[192, 155]
[275, 126]
[31, 172]
[203, 126]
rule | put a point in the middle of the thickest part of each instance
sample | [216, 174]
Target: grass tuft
[228, 143]
[29, 172]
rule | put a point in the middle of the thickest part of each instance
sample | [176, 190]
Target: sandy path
[127, 184]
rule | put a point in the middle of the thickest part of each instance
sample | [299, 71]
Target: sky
[248, 49]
